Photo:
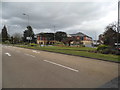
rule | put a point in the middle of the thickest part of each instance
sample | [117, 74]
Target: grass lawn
[80, 51]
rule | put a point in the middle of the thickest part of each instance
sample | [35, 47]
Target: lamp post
[27, 17]
[28, 24]
[54, 34]
[118, 24]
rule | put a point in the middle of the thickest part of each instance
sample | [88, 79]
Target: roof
[78, 34]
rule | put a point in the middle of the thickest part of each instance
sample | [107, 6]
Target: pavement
[27, 68]
[114, 83]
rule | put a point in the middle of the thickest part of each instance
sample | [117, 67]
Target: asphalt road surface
[27, 68]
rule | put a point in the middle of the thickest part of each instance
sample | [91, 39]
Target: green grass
[72, 48]
[74, 51]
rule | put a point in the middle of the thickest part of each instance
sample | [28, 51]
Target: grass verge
[82, 51]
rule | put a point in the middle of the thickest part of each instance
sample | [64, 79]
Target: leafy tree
[11, 40]
[110, 35]
[48, 36]
[67, 40]
[4, 34]
[0, 37]
[29, 33]
[59, 36]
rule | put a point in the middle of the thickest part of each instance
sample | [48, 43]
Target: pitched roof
[78, 34]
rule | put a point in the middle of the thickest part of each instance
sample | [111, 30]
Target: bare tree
[17, 38]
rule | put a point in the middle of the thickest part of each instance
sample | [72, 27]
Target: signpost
[29, 38]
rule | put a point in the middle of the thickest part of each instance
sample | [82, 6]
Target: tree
[0, 37]
[4, 34]
[11, 40]
[110, 34]
[59, 36]
[48, 36]
[29, 33]
[67, 40]
[16, 38]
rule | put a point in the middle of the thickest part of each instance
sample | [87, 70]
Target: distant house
[79, 38]
[72, 39]
[45, 38]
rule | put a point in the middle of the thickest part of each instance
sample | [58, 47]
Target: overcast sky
[90, 18]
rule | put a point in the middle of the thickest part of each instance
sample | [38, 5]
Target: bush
[102, 47]
[25, 43]
[33, 44]
[6, 42]
[106, 51]
[59, 44]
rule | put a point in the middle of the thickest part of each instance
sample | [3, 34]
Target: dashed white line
[62, 66]
[29, 55]
[8, 54]
[35, 51]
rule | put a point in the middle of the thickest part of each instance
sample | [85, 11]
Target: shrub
[25, 43]
[102, 47]
[59, 44]
[33, 44]
[106, 51]
[6, 42]
[82, 45]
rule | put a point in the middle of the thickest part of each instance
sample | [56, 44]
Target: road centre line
[61, 66]
[8, 54]
[29, 55]
[35, 51]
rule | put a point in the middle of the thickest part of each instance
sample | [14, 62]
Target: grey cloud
[44, 15]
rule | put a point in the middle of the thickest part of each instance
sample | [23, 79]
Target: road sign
[29, 38]
[116, 43]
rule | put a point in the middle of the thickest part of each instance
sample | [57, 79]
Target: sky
[88, 17]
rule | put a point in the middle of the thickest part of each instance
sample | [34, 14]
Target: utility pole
[30, 38]
[118, 24]
[54, 34]
[96, 37]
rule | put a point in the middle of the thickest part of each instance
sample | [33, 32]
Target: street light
[27, 17]
[118, 24]
[28, 25]
[54, 34]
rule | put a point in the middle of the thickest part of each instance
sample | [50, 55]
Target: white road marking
[62, 66]
[9, 46]
[8, 54]
[29, 55]
[35, 51]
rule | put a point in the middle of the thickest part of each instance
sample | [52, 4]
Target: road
[27, 68]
